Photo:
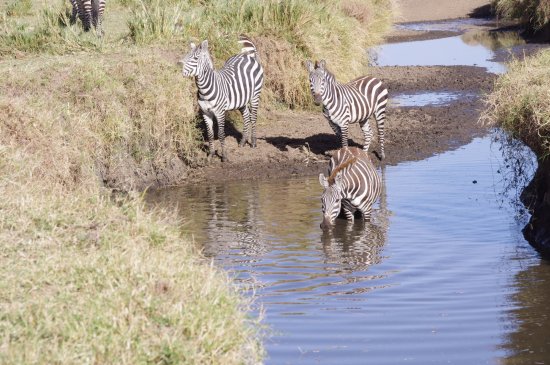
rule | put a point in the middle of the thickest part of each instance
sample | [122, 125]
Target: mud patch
[300, 143]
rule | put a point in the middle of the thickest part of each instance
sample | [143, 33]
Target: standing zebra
[353, 184]
[345, 104]
[90, 13]
[237, 85]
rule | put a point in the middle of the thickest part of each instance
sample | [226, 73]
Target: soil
[295, 143]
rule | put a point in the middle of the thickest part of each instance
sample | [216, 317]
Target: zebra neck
[205, 79]
[330, 96]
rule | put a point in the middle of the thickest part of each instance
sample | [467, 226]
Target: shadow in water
[536, 198]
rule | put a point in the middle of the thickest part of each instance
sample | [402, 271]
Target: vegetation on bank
[535, 13]
[519, 102]
[88, 277]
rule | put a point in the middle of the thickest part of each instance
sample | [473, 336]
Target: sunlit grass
[519, 102]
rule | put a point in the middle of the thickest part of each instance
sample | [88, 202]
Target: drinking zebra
[90, 13]
[353, 184]
[345, 104]
[237, 85]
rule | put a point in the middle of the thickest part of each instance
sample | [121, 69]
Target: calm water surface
[442, 275]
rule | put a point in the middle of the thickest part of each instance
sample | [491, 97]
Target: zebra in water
[345, 104]
[90, 13]
[353, 185]
[237, 85]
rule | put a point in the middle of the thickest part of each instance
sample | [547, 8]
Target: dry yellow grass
[519, 102]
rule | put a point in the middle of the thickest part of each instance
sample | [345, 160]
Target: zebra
[345, 104]
[237, 85]
[90, 12]
[353, 185]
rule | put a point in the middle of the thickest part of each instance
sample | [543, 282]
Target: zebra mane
[332, 178]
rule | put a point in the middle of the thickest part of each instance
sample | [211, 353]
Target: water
[453, 25]
[437, 98]
[441, 275]
[450, 51]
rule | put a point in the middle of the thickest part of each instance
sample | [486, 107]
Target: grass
[536, 13]
[519, 102]
[88, 279]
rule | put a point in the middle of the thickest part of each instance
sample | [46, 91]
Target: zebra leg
[348, 211]
[367, 134]
[254, 105]
[221, 134]
[245, 111]
[85, 13]
[366, 211]
[210, 130]
[74, 12]
[344, 134]
[335, 128]
[380, 121]
[98, 6]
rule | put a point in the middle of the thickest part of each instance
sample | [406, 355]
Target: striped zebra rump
[90, 13]
[353, 184]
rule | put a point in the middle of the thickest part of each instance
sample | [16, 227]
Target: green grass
[519, 102]
[88, 279]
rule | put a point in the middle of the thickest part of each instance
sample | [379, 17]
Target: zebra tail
[248, 46]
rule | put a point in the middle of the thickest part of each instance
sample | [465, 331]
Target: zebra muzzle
[326, 224]
[317, 99]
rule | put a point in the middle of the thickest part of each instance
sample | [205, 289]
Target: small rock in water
[474, 182]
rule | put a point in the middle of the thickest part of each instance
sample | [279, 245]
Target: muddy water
[441, 275]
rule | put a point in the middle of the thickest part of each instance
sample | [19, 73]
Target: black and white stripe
[345, 104]
[237, 85]
[353, 184]
[90, 13]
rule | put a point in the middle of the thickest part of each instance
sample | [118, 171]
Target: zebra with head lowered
[353, 185]
[90, 13]
[237, 85]
[345, 104]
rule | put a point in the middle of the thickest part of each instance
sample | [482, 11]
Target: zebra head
[196, 59]
[331, 200]
[317, 80]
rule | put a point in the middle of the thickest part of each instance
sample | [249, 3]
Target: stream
[442, 273]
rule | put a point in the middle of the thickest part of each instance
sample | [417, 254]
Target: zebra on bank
[90, 13]
[344, 104]
[237, 85]
[353, 185]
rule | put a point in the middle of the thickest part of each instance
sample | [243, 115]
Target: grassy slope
[519, 102]
[535, 13]
[84, 277]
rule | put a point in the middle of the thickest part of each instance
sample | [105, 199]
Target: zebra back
[361, 183]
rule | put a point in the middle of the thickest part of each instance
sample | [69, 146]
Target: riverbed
[442, 273]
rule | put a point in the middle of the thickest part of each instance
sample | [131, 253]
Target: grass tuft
[536, 13]
[519, 102]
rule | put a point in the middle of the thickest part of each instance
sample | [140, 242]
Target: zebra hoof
[242, 142]
[253, 143]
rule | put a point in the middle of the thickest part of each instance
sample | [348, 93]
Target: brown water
[442, 275]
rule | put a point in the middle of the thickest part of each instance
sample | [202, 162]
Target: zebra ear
[323, 181]
[322, 64]
[309, 65]
[193, 45]
[204, 45]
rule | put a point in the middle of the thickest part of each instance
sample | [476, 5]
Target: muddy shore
[300, 143]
